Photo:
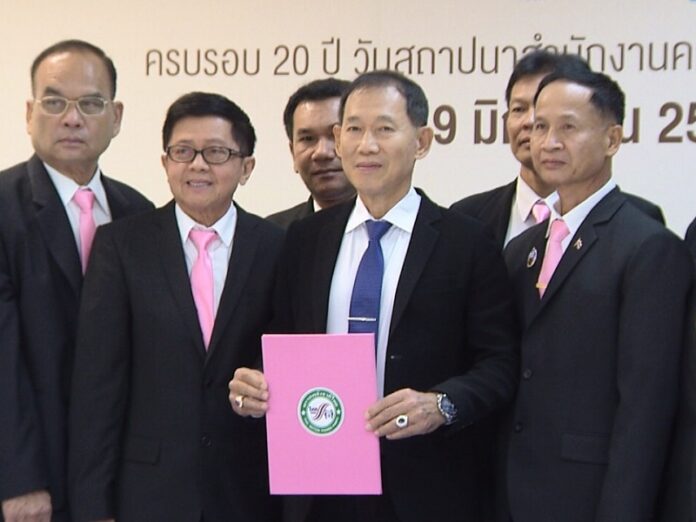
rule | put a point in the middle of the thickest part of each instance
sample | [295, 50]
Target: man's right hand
[249, 393]
[32, 507]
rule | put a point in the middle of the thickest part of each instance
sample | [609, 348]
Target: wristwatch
[447, 408]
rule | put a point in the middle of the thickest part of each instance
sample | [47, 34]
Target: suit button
[208, 383]
[206, 442]
[527, 374]
[518, 427]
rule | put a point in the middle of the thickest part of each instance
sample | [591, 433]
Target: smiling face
[72, 143]
[572, 142]
[379, 146]
[203, 191]
[314, 152]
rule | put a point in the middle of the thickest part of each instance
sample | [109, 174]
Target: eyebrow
[52, 91]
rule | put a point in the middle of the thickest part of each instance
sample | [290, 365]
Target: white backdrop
[163, 49]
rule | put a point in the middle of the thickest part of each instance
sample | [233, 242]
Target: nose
[72, 116]
[368, 143]
[198, 163]
[325, 149]
[528, 119]
[550, 141]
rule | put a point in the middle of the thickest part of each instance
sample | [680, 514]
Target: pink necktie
[202, 282]
[84, 198]
[540, 211]
[554, 252]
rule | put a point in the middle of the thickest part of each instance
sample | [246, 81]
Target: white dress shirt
[66, 189]
[219, 250]
[394, 244]
[521, 217]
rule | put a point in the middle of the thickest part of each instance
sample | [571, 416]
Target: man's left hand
[420, 409]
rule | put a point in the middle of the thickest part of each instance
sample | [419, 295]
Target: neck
[571, 196]
[80, 174]
[532, 179]
[331, 201]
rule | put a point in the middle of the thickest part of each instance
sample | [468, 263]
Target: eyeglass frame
[73, 101]
[232, 153]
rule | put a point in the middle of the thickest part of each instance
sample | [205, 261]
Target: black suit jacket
[493, 208]
[40, 284]
[600, 361]
[153, 436]
[678, 500]
[287, 217]
[452, 330]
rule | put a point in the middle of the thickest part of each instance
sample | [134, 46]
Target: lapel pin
[578, 244]
[531, 257]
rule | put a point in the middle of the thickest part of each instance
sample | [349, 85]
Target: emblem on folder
[320, 411]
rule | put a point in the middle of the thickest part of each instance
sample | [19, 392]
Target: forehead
[565, 98]
[526, 87]
[203, 129]
[311, 113]
[72, 66]
[376, 102]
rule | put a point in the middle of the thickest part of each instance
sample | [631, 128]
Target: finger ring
[239, 400]
[401, 421]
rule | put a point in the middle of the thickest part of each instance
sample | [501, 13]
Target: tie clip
[363, 319]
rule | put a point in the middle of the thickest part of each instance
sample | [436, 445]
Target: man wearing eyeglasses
[46, 228]
[175, 301]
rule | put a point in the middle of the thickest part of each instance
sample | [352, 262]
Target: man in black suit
[446, 334]
[178, 298]
[603, 327]
[309, 117]
[511, 209]
[71, 119]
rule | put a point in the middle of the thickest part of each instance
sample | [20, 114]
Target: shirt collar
[67, 187]
[224, 226]
[525, 197]
[574, 218]
[402, 215]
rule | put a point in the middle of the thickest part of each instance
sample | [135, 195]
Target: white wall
[128, 29]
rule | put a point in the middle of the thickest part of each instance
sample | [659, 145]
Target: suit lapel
[423, 240]
[244, 247]
[328, 245]
[171, 255]
[582, 242]
[502, 210]
[118, 203]
[54, 223]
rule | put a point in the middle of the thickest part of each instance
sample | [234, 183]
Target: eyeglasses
[87, 105]
[214, 155]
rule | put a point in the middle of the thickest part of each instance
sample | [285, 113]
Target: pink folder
[319, 389]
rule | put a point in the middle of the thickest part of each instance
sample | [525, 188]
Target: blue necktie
[367, 289]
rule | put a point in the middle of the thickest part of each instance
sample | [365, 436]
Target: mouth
[368, 166]
[71, 141]
[198, 183]
[327, 172]
[552, 163]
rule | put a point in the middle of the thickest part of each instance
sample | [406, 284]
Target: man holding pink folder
[430, 285]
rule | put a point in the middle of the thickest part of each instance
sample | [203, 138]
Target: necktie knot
[202, 238]
[376, 229]
[559, 231]
[84, 198]
[540, 211]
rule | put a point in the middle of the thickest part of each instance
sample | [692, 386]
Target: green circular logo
[320, 411]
